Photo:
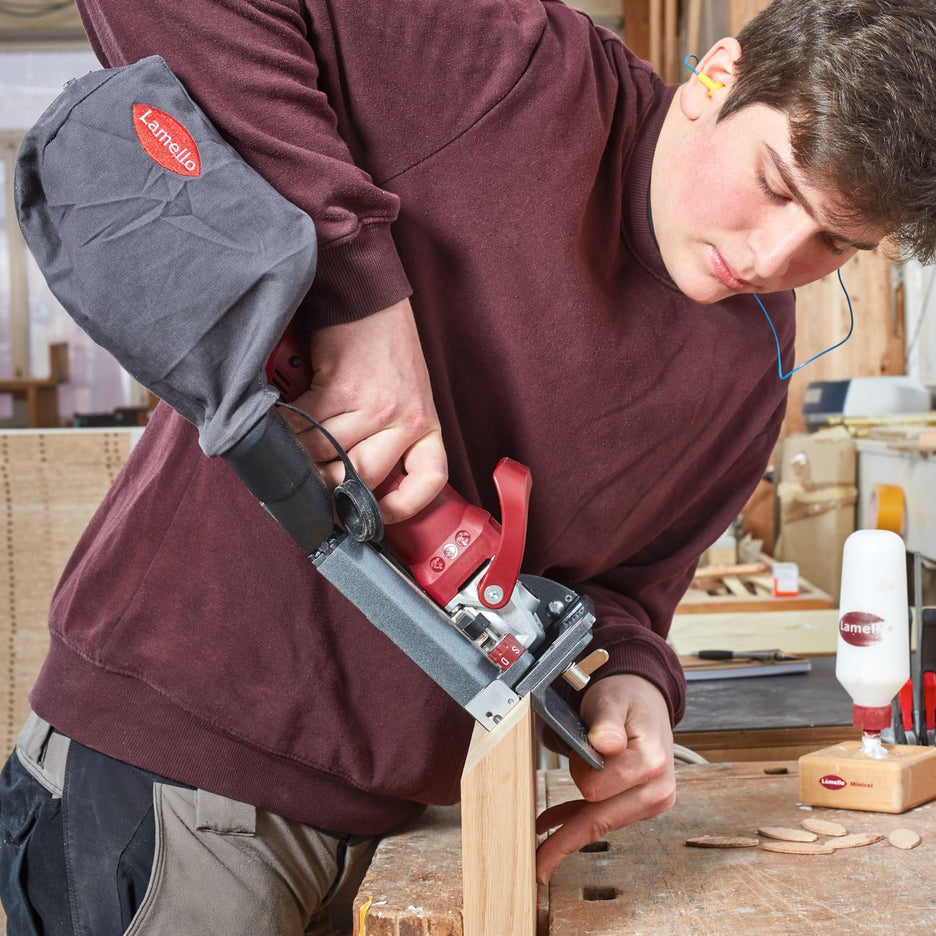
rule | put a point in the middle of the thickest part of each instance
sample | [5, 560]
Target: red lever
[929, 699]
[514, 483]
[906, 704]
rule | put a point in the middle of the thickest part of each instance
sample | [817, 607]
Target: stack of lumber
[746, 588]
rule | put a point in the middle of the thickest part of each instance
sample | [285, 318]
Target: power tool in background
[184, 263]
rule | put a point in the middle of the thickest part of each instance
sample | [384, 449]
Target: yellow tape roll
[886, 508]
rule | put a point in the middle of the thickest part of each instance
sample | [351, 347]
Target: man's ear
[718, 66]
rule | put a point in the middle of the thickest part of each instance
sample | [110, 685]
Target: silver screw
[494, 594]
[556, 608]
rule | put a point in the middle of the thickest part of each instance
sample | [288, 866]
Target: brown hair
[857, 80]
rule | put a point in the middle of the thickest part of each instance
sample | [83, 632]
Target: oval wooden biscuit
[855, 840]
[904, 838]
[824, 827]
[798, 848]
[722, 841]
[787, 835]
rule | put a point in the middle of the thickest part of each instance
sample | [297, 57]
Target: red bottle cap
[871, 717]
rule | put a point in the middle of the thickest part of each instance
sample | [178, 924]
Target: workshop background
[858, 446]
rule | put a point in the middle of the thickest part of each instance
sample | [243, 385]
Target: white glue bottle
[873, 654]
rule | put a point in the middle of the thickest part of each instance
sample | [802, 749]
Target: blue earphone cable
[851, 328]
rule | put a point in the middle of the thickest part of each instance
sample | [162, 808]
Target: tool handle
[715, 655]
[445, 543]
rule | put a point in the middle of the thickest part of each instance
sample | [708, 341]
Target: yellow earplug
[690, 62]
[709, 83]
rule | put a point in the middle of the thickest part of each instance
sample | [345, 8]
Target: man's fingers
[608, 737]
[589, 822]
[426, 474]
[632, 768]
[555, 816]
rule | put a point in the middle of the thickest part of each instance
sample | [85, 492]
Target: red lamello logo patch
[831, 782]
[861, 628]
[166, 141]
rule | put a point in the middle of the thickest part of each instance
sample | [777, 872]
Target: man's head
[857, 81]
[822, 141]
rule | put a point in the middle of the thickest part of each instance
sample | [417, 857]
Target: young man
[528, 247]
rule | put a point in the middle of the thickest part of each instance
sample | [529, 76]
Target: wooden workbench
[644, 880]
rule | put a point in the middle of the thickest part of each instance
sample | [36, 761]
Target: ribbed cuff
[355, 278]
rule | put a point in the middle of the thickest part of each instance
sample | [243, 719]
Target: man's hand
[371, 391]
[629, 725]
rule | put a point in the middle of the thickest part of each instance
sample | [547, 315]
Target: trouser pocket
[77, 836]
[32, 856]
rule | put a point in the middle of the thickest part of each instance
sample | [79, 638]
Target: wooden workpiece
[498, 793]
[645, 880]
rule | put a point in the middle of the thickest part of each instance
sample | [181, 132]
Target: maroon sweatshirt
[494, 157]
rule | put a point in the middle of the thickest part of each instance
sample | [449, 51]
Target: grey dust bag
[163, 244]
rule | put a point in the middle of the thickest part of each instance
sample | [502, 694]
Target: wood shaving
[855, 840]
[722, 841]
[904, 838]
[787, 835]
[824, 827]
[799, 848]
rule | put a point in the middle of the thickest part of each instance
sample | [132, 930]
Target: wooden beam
[694, 27]
[498, 794]
[670, 72]
[636, 17]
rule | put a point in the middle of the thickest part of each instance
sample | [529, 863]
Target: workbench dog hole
[599, 846]
[600, 893]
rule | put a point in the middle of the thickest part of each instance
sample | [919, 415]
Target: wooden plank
[694, 26]
[636, 17]
[498, 797]
[765, 744]
[414, 883]
[743, 10]
[747, 568]
[656, 35]
[18, 287]
[736, 597]
[648, 881]
[806, 632]
[670, 73]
